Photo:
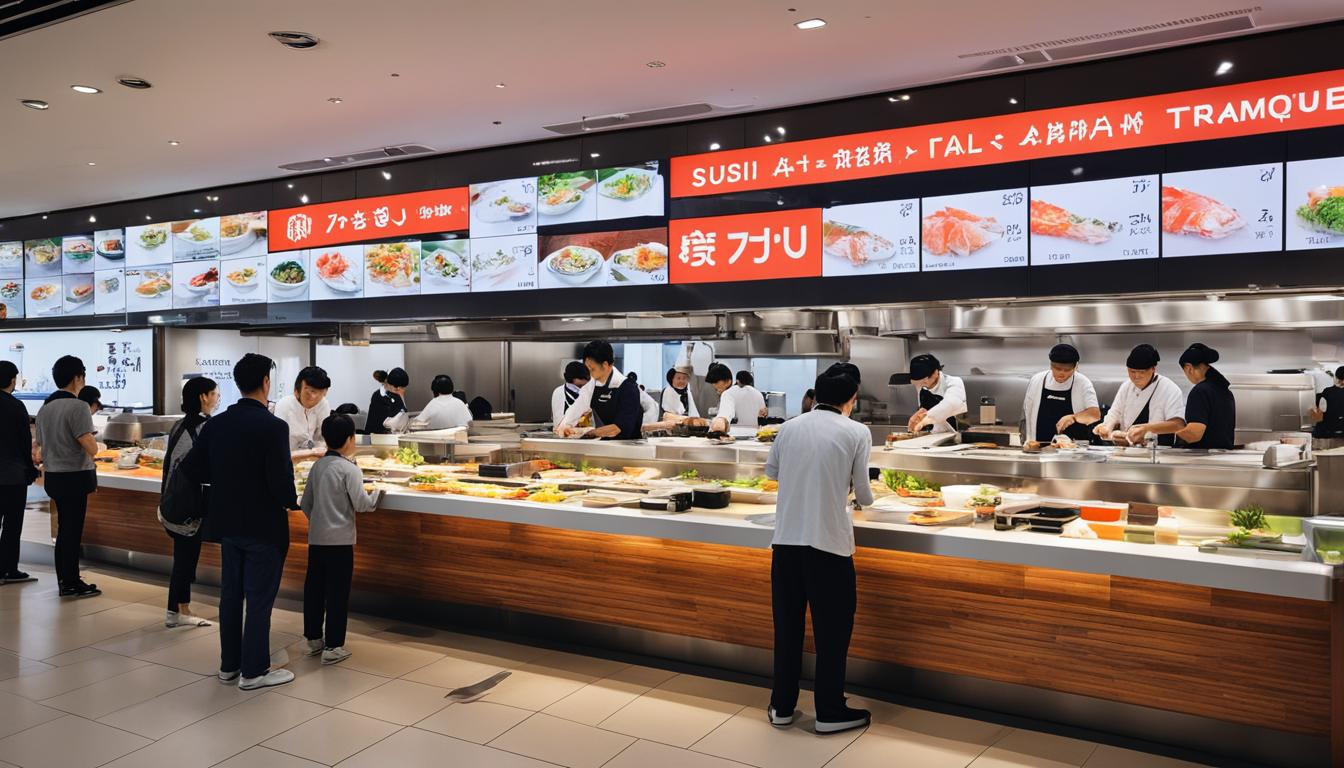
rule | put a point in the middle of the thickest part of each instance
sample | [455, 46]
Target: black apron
[604, 404]
[1144, 416]
[570, 396]
[927, 400]
[1054, 405]
[1333, 423]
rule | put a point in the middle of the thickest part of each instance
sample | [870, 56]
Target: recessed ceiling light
[1223, 68]
[84, 89]
[768, 139]
[1077, 171]
[326, 159]
[713, 146]
[37, 104]
[92, 163]
[290, 185]
[810, 24]
[335, 100]
[655, 64]
[195, 210]
[303, 198]
[780, 129]
[174, 143]
[387, 175]
[137, 83]
[905, 97]
[147, 218]
[1013, 100]
[497, 122]
[93, 219]
[595, 154]
[499, 85]
[44, 217]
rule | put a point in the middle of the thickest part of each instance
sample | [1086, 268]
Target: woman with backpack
[200, 397]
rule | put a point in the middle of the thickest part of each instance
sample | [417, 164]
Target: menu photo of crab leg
[1222, 210]
[590, 260]
[870, 238]
[1091, 221]
[978, 230]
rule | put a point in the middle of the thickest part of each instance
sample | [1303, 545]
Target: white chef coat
[953, 391]
[1162, 396]
[1083, 396]
[649, 406]
[305, 424]
[584, 402]
[742, 403]
[445, 411]
[672, 402]
[557, 405]
[817, 458]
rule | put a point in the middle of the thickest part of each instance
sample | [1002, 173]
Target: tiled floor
[101, 682]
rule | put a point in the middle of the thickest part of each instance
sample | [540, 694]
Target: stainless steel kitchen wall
[477, 368]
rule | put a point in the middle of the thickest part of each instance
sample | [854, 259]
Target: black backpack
[181, 500]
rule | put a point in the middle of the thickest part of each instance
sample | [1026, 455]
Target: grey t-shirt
[60, 424]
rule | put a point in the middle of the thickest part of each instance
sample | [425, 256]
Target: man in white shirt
[1146, 404]
[742, 405]
[576, 375]
[612, 398]
[942, 398]
[677, 397]
[304, 412]
[647, 404]
[445, 410]
[1060, 401]
[817, 457]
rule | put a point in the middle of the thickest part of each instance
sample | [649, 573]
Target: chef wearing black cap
[1060, 401]
[1328, 414]
[1146, 404]
[942, 398]
[1210, 408]
[576, 375]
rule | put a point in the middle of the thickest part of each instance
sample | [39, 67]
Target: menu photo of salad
[109, 247]
[109, 291]
[445, 266]
[77, 251]
[11, 260]
[595, 259]
[503, 208]
[392, 269]
[242, 281]
[149, 289]
[338, 272]
[629, 191]
[195, 284]
[148, 245]
[42, 258]
[565, 198]
[196, 239]
[870, 238]
[287, 277]
[1315, 204]
[77, 294]
[503, 263]
[11, 297]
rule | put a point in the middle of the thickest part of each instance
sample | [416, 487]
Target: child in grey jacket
[333, 496]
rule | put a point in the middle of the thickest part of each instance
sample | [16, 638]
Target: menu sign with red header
[1266, 106]
[753, 246]
[368, 218]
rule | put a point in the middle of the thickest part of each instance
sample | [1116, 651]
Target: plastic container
[1141, 534]
[1167, 531]
[1109, 531]
[1103, 512]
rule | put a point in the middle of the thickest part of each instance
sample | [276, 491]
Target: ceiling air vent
[627, 119]
[359, 158]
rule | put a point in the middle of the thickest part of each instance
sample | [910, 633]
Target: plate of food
[42, 294]
[574, 264]
[153, 285]
[235, 234]
[109, 285]
[854, 244]
[45, 253]
[446, 263]
[335, 272]
[80, 294]
[559, 196]
[112, 248]
[152, 237]
[204, 282]
[502, 202]
[627, 184]
[10, 290]
[288, 277]
[78, 249]
[487, 265]
[642, 260]
[11, 255]
[243, 279]
[394, 266]
[196, 235]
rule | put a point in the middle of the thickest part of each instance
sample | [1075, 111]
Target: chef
[1146, 404]
[942, 397]
[303, 410]
[445, 411]
[1328, 414]
[677, 398]
[612, 398]
[576, 375]
[1060, 401]
[647, 405]
[1210, 408]
[742, 405]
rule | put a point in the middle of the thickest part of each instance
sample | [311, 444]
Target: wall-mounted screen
[1090, 221]
[594, 259]
[870, 238]
[504, 208]
[1315, 204]
[976, 230]
[1222, 210]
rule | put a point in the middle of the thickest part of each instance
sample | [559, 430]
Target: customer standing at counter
[1328, 412]
[200, 398]
[1210, 408]
[613, 398]
[303, 410]
[677, 397]
[17, 472]
[445, 411]
[1146, 403]
[817, 458]
[742, 405]
[1060, 400]
[65, 440]
[576, 376]
[387, 401]
[243, 455]
[942, 397]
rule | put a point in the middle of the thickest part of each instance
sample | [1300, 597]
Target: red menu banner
[368, 218]
[754, 246]
[1266, 106]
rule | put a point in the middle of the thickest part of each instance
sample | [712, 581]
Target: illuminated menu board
[870, 238]
[109, 291]
[503, 263]
[1222, 210]
[11, 280]
[392, 269]
[629, 192]
[109, 249]
[976, 230]
[629, 258]
[1315, 204]
[77, 254]
[77, 294]
[338, 272]
[1091, 221]
[148, 289]
[287, 277]
[445, 266]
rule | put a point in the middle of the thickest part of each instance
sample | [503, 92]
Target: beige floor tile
[153, 637]
[883, 711]
[178, 709]
[18, 713]
[720, 690]
[108, 696]
[590, 666]
[1031, 749]
[649, 677]
[478, 721]
[54, 682]
[327, 685]
[201, 653]
[949, 727]
[332, 737]
[650, 754]
[670, 718]
[43, 638]
[536, 688]
[399, 701]
[74, 657]
[562, 742]
[261, 757]
[70, 742]
[221, 736]
[1107, 756]
[380, 657]
[882, 746]
[748, 738]
[414, 748]
[460, 668]
[13, 665]
[596, 702]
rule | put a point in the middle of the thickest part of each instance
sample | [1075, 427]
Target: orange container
[1109, 531]
[1103, 512]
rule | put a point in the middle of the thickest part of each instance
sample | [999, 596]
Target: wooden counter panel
[1231, 656]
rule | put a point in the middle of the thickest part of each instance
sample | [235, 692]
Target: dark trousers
[803, 577]
[327, 590]
[186, 553]
[70, 510]
[251, 575]
[12, 499]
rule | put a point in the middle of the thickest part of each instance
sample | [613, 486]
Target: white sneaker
[334, 655]
[778, 718]
[315, 647]
[175, 619]
[228, 677]
[272, 678]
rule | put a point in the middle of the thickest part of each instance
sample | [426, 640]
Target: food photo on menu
[565, 198]
[392, 269]
[338, 272]
[634, 257]
[630, 191]
[109, 291]
[42, 296]
[11, 260]
[503, 263]
[195, 284]
[42, 258]
[1222, 210]
[1315, 204]
[148, 245]
[241, 281]
[149, 289]
[287, 277]
[196, 239]
[77, 252]
[978, 230]
[11, 298]
[77, 294]
[445, 266]
[109, 249]
[1092, 221]
[243, 235]
[870, 238]
[503, 208]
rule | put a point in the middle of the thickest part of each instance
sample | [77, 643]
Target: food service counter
[1229, 654]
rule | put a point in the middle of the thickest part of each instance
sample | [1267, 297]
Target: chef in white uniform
[304, 411]
[1147, 403]
[740, 405]
[646, 402]
[576, 375]
[677, 397]
[942, 397]
[445, 410]
[1060, 400]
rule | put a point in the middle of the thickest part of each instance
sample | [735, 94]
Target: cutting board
[925, 441]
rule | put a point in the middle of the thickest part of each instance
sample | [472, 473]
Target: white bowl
[561, 209]
[959, 496]
[280, 287]
[229, 245]
[575, 278]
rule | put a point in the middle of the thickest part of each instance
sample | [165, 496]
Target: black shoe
[846, 719]
[81, 589]
[15, 577]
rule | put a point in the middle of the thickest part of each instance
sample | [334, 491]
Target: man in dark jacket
[16, 473]
[243, 455]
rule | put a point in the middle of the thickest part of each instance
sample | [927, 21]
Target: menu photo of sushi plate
[77, 294]
[287, 277]
[445, 266]
[195, 284]
[11, 260]
[1315, 207]
[978, 230]
[149, 288]
[242, 281]
[109, 291]
[870, 238]
[503, 263]
[77, 254]
[196, 239]
[392, 269]
[1222, 210]
[338, 272]
[629, 191]
[109, 247]
[1091, 221]
[503, 208]
[148, 245]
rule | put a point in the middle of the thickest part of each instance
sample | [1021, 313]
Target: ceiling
[240, 104]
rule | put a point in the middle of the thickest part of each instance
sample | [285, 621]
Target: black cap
[1199, 354]
[1064, 354]
[923, 366]
[1143, 357]
[835, 389]
[849, 369]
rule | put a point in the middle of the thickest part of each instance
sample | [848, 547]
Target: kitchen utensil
[476, 690]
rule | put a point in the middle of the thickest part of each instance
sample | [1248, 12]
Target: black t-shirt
[1211, 403]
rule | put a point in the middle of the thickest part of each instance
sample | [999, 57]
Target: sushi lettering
[697, 249]
[726, 173]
